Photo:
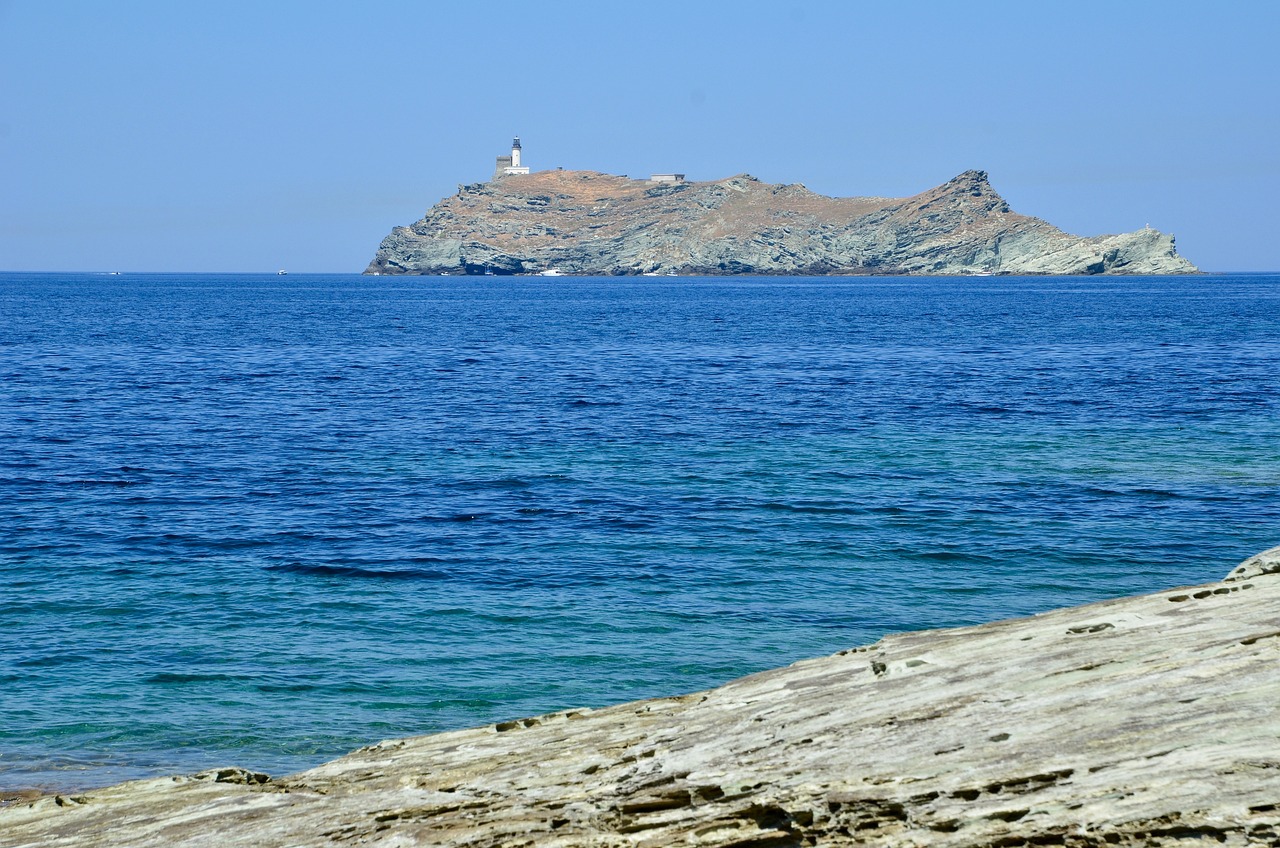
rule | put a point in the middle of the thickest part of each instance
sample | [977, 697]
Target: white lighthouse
[511, 165]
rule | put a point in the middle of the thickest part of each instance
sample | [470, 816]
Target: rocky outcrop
[1146, 721]
[582, 222]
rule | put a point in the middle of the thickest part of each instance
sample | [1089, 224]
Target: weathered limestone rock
[583, 222]
[1150, 720]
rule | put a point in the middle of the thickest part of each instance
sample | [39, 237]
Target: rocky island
[1143, 721]
[584, 222]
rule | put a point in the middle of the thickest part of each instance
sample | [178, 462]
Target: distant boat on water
[281, 272]
[551, 272]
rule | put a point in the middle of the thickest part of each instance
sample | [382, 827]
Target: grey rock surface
[1147, 721]
[583, 222]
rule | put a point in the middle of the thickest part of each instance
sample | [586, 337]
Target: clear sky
[251, 135]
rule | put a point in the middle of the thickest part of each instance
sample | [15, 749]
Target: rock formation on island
[1144, 721]
[583, 222]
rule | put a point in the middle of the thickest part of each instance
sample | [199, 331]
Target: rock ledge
[1140, 721]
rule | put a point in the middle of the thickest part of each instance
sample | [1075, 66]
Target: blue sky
[249, 136]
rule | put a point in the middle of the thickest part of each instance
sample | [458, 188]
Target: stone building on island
[508, 165]
[511, 165]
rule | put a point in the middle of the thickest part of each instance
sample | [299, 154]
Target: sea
[263, 520]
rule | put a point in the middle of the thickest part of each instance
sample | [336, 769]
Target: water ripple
[266, 520]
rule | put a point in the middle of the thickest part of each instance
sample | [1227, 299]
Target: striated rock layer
[1143, 721]
[583, 222]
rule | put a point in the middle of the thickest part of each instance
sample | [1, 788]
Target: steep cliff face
[583, 222]
[1138, 722]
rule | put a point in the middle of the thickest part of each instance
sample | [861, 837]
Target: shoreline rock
[1148, 720]
[589, 223]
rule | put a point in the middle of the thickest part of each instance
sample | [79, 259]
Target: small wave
[625, 524]
[962, 590]
[51, 660]
[855, 475]
[323, 570]
[474, 703]
[173, 677]
[811, 509]
[1096, 491]
[507, 579]
[118, 483]
[954, 556]
[273, 688]
[498, 483]
[26, 481]
[229, 544]
[581, 402]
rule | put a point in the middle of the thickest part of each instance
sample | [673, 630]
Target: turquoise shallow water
[265, 520]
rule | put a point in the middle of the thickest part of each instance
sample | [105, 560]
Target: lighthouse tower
[515, 166]
[508, 165]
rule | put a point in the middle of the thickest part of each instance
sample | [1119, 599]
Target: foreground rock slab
[584, 222]
[1152, 720]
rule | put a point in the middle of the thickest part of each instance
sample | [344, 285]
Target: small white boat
[281, 272]
[551, 272]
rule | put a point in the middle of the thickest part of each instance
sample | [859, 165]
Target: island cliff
[1144, 721]
[583, 222]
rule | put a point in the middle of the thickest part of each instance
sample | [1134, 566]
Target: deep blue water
[264, 520]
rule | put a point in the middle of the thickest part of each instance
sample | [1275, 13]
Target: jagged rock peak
[973, 180]
[586, 222]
